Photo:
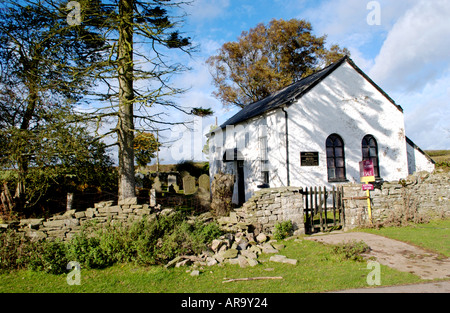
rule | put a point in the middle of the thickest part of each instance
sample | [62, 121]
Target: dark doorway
[240, 181]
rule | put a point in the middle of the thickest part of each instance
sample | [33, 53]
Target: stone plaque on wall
[309, 158]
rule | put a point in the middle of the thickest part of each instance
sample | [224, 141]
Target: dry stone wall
[270, 206]
[65, 226]
[423, 194]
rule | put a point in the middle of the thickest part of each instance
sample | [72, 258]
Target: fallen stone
[255, 249]
[210, 261]
[268, 248]
[242, 260]
[216, 244]
[261, 238]
[282, 259]
[249, 254]
[242, 245]
[252, 262]
[229, 254]
[250, 237]
[218, 257]
[232, 261]
[278, 246]
[195, 273]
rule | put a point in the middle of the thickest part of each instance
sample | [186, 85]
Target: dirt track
[396, 254]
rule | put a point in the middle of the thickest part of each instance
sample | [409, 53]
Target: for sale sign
[367, 187]
[366, 171]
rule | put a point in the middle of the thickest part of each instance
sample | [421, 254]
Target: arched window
[369, 149]
[335, 158]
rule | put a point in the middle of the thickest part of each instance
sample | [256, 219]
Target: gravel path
[396, 254]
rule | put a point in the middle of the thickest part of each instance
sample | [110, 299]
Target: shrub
[19, 252]
[14, 250]
[50, 257]
[148, 241]
[154, 241]
[352, 250]
[283, 230]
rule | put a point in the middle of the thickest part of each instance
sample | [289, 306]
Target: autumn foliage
[267, 58]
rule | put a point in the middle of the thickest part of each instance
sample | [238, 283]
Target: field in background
[441, 157]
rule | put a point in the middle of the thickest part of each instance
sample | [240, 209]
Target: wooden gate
[323, 209]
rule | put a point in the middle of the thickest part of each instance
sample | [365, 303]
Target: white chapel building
[315, 132]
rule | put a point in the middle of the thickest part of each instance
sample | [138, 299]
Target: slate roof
[292, 92]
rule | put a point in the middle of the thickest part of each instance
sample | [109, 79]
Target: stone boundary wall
[65, 226]
[273, 205]
[422, 192]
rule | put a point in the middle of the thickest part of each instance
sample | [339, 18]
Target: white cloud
[416, 49]
[207, 9]
[426, 114]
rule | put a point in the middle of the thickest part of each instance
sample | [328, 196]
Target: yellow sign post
[367, 176]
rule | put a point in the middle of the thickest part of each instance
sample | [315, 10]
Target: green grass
[434, 236]
[318, 269]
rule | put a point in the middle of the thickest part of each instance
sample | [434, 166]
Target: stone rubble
[238, 248]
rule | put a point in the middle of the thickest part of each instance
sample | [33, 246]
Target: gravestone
[152, 197]
[172, 181]
[189, 185]
[203, 182]
[157, 184]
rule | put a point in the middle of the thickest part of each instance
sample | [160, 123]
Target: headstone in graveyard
[171, 181]
[157, 184]
[189, 185]
[152, 197]
[203, 182]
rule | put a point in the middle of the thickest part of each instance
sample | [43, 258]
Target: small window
[264, 157]
[335, 158]
[369, 149]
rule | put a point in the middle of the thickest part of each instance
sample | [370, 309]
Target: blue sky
[407, 54]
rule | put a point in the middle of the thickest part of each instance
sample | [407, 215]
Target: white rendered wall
[417, 161]
[345, 103]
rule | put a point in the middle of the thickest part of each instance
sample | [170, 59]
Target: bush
[19, 252]
[352, 250]
[50, 257]
[14, 250]
[147, 242]
[283, 230]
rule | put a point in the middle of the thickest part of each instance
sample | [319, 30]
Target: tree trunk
[22, 160]
[125, 124]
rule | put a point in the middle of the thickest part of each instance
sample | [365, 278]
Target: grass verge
[318, 269]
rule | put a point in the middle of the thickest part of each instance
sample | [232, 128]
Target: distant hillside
[441, 157]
